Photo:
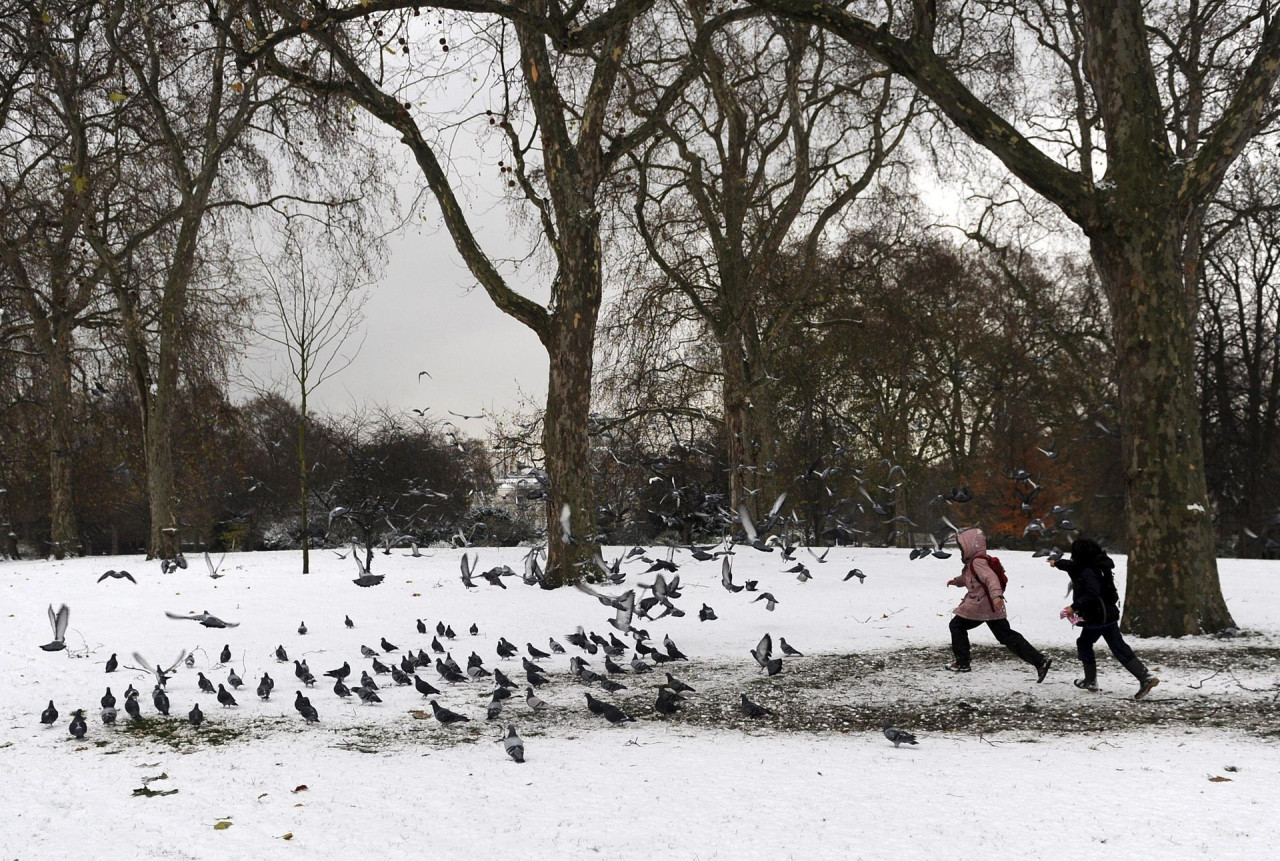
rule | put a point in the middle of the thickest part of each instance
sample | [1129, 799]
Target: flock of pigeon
[627, 651]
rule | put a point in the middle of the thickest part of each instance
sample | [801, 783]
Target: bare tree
[54, 103]
[1166, 95]
[313, 296]
[564, 133]
[762, 152]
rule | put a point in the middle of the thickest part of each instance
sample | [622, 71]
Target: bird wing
[764, 649]
[100, 579]
[59, 621]
[726, 573]
[626, 607]
[178, 660]
[126, 575]
[191, 616]
[747, 526]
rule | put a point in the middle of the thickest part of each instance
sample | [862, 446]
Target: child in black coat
[1097, 604]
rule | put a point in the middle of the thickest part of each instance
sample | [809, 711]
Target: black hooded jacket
[1095, 599]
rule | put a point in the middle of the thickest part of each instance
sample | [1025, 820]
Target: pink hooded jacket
[978, 580]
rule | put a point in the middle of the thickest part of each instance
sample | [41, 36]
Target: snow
[381, 782]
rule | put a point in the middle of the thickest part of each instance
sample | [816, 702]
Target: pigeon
[302, 628]
[788, 650]
[536, 703]
[535, 652]
[341, 673]
[190, 660]
[467, 568]
[556, 648]
[308, 712]
[475, 629]
[131, 707]
[161, 674]
[204, 684]
[368, 696]
[108, 699]
[445, 716]
[610, 685]
[763, 653]
[224, 697]
[366, 681]
[399, 676]
[366, 651]
[380, 668]
[281, 655]
[668, 701]
[494, 709]
[513, 745]
[501, 678]
[264, 687]
[340, 689]
[855, 572]
[767, 597]
[299, 701]
[421, 626]
[49, 715]
[535, 679]
[77, 728]
[898, 736]
[235, 681]
[753, 710]
[672, 652]
[640, 666]
[678, 686]
[530, 666]
[346, 620]
[58, 622]
[366, 580]
[609, 712]
[195, 717]
[112, 663]
[109, 715]
[205, 618]
[161, 699]
[118, 575]
[706, 614]
[439, 629]
[388, 647]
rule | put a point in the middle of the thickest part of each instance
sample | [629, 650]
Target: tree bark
[1172, 587]
[62, 513]
[566, 441]
[737, 420]
[302, 481]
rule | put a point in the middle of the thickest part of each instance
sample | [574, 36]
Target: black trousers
[1111, 633]
[1007, 637]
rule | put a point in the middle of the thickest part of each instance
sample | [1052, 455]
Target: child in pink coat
[983, 604]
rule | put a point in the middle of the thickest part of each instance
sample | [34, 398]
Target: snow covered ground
[1003, 765]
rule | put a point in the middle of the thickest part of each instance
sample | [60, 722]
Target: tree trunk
[62, 514]
[158, 444]
[566, 440]
[1173, 587]
[737, 421]
[302, 484]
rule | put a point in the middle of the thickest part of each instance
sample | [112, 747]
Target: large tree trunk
[737, 419]
[165, 540]
[566, 441]
[62, 514]
[1173, 586]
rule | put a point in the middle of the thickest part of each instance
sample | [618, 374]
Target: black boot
[1090, 680]
[1146, 681]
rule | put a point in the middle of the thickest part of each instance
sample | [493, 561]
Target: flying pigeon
[767, 597]
[855, 572]
[204, 618]
[58, 622]
[118, 575]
